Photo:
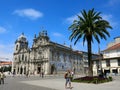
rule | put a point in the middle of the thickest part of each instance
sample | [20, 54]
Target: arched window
[19, 58]
[58, 56]
[70, 58]
[16, 47]
[64, 57]
[52, 56]
[23, 57]
[15, 58]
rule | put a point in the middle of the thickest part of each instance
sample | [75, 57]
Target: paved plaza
[53, 83]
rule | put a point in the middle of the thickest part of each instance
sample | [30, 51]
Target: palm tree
[89, 26]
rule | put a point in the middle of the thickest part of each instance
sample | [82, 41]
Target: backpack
[65, 76]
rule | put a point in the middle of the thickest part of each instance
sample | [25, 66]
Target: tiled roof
[114, 47]
[5, 63]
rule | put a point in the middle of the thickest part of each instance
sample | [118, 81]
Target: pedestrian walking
[67, 76]
[42, 73]
[13, 73]
[72, 73]
[2, 76]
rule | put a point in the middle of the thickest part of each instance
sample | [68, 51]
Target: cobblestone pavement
[58, 84]
[54, 83]
[14, 83]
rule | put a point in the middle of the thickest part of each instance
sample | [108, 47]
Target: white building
[110, 62]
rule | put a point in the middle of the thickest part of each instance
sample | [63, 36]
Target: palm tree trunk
[90, 71]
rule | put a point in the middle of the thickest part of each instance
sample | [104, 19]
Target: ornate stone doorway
[39, 69]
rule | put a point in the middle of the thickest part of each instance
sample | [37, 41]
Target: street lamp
[100, 61]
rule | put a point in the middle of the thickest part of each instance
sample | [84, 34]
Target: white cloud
[57, 34]
[72, 18]
[110, 19]
[113, 2]
[2, 29]
[107, 17]
[30, 13]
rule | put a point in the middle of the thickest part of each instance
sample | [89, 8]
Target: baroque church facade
[46, 56]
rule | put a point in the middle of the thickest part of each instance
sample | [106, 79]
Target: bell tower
[21, 43]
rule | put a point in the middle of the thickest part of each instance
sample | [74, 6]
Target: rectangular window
[118, 62]
[97, 64]
[23, 57]
[108, 63]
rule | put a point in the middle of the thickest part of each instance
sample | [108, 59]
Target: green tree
[90, 25]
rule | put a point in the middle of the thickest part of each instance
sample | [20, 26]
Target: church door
[52, 68]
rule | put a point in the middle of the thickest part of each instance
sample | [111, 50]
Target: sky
[32, 16]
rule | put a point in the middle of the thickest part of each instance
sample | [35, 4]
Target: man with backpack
[67, 76]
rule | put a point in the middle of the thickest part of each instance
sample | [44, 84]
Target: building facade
[47, 56]
[110, 60]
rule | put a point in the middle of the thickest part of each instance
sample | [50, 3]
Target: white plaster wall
[113, 63]
[103, 63]
[113, 53]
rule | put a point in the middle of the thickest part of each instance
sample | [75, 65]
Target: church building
[45, 56]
